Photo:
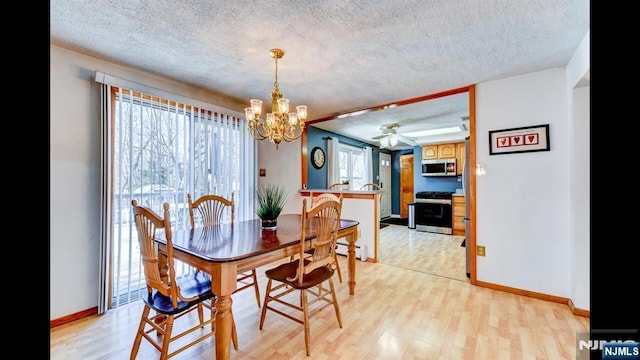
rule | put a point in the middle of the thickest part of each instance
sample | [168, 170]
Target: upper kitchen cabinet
[446, 151]
[429, 152]
[440, 151]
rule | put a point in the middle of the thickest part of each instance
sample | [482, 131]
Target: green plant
[271, 200]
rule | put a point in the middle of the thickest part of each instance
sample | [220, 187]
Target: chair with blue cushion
[170, 297]
[209, 210]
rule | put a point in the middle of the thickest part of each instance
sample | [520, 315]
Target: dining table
[224, 250]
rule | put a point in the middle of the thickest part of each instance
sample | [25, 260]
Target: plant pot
[268, 224]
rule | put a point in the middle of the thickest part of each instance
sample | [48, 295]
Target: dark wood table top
[243, 239]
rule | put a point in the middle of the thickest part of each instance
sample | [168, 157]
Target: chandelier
[388, 141]
[279, 124]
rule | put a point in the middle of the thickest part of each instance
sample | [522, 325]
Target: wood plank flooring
[431, 253]
[400, 310]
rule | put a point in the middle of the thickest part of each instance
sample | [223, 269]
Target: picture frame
[519, 140]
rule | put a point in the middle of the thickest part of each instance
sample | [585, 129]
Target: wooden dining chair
[335, 185]
[370, 186]
[209, 210]
[315, 200]
[307, 272]
[318, 199]
[170, 297]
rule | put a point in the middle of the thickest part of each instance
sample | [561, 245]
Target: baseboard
[361, 252]
[577, 311]
[536, 295]
[73, 317]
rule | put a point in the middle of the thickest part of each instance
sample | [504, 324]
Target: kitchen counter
[362, 206]
[306, 192]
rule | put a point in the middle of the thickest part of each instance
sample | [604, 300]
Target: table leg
[351, 251]
[223, 283]
[223, 327]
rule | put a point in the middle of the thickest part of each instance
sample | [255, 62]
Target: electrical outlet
[480, 250]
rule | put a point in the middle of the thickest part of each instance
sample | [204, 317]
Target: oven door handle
[434, 201]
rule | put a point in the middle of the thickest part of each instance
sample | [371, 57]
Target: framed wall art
[519, 140]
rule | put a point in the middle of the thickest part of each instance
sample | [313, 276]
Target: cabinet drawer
[458, 213]
[458, 200]
[457, 223]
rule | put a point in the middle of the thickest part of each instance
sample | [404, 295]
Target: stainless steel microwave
[439, 167]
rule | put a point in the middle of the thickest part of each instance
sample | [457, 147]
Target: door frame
[470, 197]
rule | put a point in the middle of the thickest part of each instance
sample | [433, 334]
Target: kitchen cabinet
[458, 213]
[446, 151]
[440, 151]
[460, 157]
[429, 152]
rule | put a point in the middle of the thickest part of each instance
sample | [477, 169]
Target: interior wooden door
[406, 183]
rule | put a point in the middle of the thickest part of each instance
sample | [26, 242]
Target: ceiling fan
[390, 137]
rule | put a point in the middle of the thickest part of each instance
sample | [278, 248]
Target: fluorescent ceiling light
[421, 133]
[355, 113]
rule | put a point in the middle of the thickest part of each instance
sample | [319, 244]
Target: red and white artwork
[517, 140]
[532, 138]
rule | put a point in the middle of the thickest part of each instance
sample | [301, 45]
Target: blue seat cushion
[197, 284]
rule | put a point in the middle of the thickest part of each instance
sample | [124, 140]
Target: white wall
[283, 167]
[580, 216]
[522, 203]
[75, 172]
[74, 186]
[580, 200]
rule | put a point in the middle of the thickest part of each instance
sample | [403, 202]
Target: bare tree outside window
[161, 151]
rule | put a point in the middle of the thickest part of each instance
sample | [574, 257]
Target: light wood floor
[431, 253]
[396, 313]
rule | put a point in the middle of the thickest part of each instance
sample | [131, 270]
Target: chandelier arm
[261, 131]
[293, 132]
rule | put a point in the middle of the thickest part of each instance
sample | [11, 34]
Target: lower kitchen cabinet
[458, 212]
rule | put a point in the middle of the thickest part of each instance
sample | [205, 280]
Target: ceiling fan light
[393, 140]
[384, 142]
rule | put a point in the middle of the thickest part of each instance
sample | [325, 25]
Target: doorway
[406, 184]
[385, 184]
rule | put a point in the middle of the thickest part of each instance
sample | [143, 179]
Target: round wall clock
[317, 157]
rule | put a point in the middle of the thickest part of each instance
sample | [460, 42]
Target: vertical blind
[155, 150]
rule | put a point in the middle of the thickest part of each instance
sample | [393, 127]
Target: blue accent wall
[420, 183]
[317, 178]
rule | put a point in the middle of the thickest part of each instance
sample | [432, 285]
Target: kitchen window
[352, 166]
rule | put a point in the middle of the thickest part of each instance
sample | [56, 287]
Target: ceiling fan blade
[407, 140]
[378, 137]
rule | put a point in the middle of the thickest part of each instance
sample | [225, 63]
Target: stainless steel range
[433, 212]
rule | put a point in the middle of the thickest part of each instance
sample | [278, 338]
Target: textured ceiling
[341, 56]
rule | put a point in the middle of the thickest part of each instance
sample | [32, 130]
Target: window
[352, 167]
[161, 150]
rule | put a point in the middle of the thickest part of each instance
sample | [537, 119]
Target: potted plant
[271, 199]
